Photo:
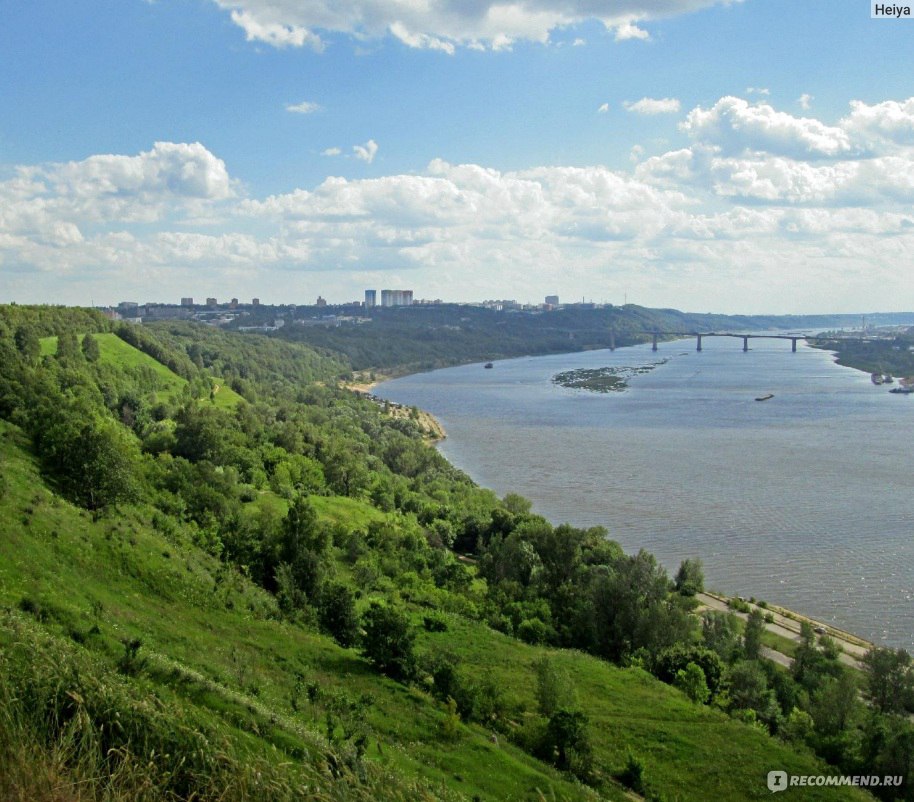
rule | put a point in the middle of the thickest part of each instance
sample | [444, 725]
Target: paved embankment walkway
[786, 624]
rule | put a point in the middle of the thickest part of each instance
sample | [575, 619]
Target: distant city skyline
[736, 156]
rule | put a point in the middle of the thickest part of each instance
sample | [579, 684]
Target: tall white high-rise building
[396, 297]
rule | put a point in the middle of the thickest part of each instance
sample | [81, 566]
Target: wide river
[804, 500]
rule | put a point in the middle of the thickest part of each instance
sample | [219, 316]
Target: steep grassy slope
[216, 659]
[114, 351]
[211, 641]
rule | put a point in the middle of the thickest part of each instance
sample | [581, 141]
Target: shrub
[553, 687]
[130, 662]
[566, 743]
[532, 630]
[632, 776]
[434, 623]
[691, 681]
[449, 726]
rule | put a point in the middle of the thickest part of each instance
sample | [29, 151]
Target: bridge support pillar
[698, 347]
[793, 344]
[654, 345]
[745, 344]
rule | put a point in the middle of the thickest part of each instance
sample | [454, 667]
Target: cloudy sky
[711, 155]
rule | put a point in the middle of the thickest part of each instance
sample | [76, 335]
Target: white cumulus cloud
[277, 34]
[649, 105]
[889, 121]
[734, 125]
[445, 24]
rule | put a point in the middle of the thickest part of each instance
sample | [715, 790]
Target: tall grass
[73, 730]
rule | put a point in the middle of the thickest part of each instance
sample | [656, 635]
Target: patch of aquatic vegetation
[602, 380]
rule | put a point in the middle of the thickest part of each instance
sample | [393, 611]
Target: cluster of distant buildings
[133, 312]
[266, 317]
[212, 303]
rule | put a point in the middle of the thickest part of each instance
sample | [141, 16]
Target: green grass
[113, 350]
[779, 643]
[219, 657]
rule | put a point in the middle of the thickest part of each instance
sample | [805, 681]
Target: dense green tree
[690, 578]
[345, 471]
[516, 504]
[632, 610]
[567, 744]
[667, 664]
[748, 686]
[889, 680]
[388, 641]
[812, 664]
[94, 459]
[68, 346]
[752, 635]
[511, 559]
[337, 614]
[720, 631]
[554, 689]
[691, 681]
[27, 343]
[201, 433]
[834, 705]
[304, 546]
[798, 727]
[90, 348]
[888, 750]
[202, 492]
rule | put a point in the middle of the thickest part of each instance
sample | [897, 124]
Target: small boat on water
[887, 379]
[488, 365]
[765, 397]
[905, 390]
[876, 378]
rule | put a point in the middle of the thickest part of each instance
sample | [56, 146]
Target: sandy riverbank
[365, 382]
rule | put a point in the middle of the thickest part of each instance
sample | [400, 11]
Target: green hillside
[211, 641]
[115, 351]
[214, 651]
[293, 596]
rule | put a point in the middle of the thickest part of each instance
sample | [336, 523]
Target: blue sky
[753, 156]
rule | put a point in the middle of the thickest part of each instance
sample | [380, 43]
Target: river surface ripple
[803, 500]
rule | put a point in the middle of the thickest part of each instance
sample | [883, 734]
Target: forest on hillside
[427, 337]
[305, 509]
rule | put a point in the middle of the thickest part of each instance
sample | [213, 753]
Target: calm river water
[804, 500]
